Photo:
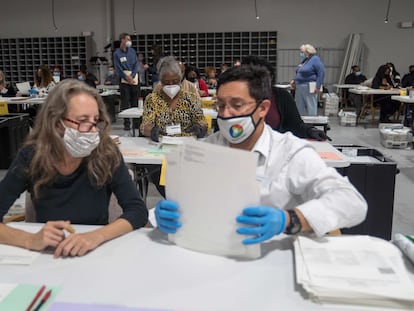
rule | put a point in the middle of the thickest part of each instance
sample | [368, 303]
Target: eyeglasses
[86, 126]
[236, 105]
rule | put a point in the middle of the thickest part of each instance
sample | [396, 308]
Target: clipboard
[128, 73]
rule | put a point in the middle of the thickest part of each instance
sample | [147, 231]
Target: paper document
[358, 270]
[19, 296]
[12, 255]
[23, 87]
[134, 80]
[212, 184]
[312, 87]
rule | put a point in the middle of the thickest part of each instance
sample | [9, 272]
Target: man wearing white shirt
[299, 193]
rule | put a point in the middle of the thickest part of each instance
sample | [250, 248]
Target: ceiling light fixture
[53, 16]
[388, 12]
[133, 17]
[255, 9]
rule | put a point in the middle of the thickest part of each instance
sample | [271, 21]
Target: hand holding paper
[266, 221]
[167, 215]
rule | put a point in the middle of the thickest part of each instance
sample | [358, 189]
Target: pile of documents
[353, 270]
[406, 244]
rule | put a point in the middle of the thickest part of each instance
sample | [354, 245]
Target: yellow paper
[4, 109]
[163, 169]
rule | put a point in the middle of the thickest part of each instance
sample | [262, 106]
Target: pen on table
[43, 301]
[69, 228]
[410, 238]
[39, 292]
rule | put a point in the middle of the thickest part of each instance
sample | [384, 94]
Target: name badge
[173, 129]
[123, 59]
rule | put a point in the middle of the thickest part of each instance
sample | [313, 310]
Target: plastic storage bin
[374, 176]
[13, 130]
[394, 135]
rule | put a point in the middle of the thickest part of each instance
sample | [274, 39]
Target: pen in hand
[38, 294]
[44, 300]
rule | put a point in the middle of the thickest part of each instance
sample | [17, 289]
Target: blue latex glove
[167, 215]
[266, 221]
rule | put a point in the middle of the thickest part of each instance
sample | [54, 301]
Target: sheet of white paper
[23, 87]
[212, 184]
[6, 289]
[12, 255]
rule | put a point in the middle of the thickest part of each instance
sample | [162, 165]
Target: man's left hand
[264, 221]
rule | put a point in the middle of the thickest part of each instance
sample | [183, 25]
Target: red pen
[43, 301]
[39, 292]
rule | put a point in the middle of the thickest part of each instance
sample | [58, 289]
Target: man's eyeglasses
[86, 126]
[235, 105]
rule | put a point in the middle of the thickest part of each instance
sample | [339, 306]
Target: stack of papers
[12, 255]
[406, 244]
[355, 270]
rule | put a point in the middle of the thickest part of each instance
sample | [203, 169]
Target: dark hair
[257, 78]
[258, 61]
[188, 69]
[354, 66]
[381, 71]
[123, 35]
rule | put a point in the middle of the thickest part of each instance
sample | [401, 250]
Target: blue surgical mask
[80, 78]
[302, 55]
[110, 72]
[358, 73]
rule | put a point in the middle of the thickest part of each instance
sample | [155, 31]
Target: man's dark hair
[258, 61]
[123, 35]
[257, 78]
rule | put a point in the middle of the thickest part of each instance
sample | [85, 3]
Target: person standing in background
[310, 71]
[142, 68]
[126, 65]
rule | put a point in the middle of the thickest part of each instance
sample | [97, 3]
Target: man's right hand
[167, 216]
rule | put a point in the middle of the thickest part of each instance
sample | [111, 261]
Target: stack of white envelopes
[354, 270]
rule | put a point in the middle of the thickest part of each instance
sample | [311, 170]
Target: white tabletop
[404, 99]
[332, 156]
[137, 113]
[133, 112]
[141, 150]
[108, 87]
[346, 86]
[141, 269]
[369, 91]
[23, 100]
[283, 86]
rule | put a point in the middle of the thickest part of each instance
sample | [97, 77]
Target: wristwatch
[294, 226]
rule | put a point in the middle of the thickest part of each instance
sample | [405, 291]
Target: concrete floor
[363, 135]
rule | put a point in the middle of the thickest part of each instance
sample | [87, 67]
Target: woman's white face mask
[80, 144]
[171, 90]
[238, 129]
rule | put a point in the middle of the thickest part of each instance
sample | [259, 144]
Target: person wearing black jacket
[283, 115]
[355, 77]
[408, 79]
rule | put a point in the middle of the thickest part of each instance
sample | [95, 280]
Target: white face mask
[80, 144]
[237, 129]
[171, 90]
[128, 44]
